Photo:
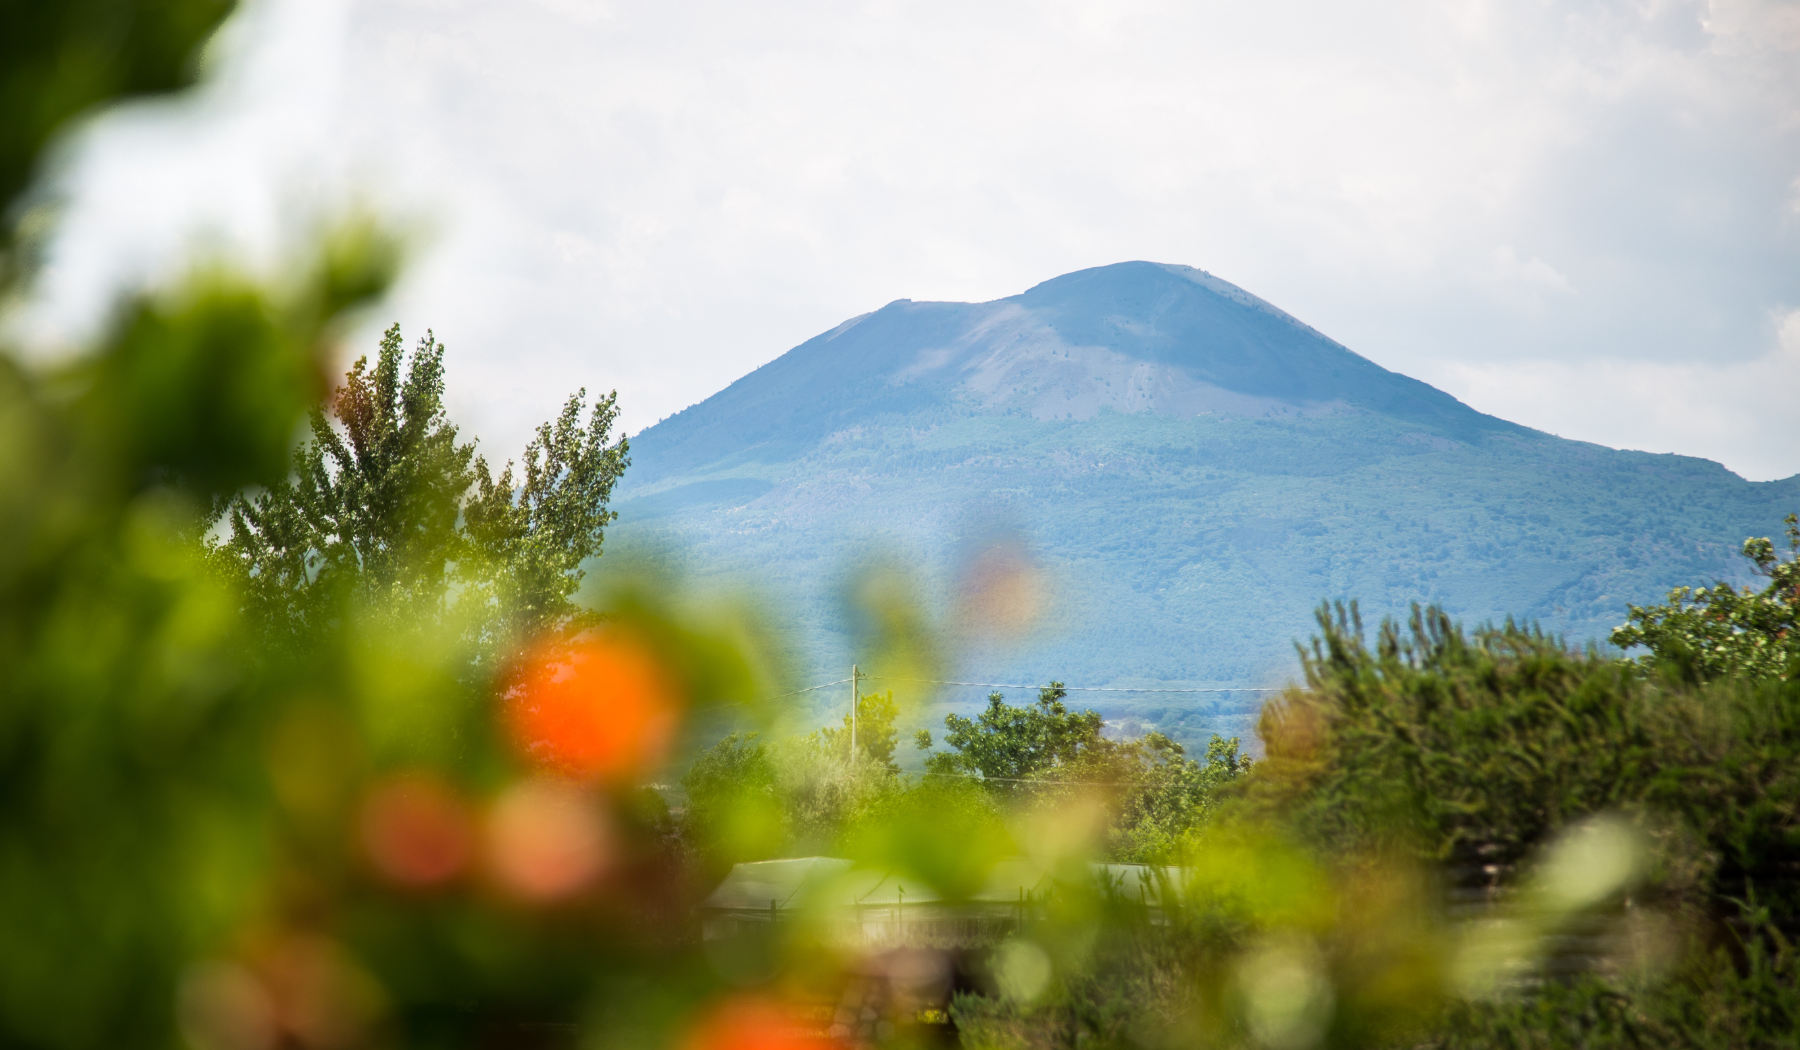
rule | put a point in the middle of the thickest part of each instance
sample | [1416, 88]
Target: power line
[985, 685]
[1071, 688]
[1024, 780]
[778, 696]
[995, 685]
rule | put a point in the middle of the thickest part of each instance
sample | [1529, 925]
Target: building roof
[778, 885]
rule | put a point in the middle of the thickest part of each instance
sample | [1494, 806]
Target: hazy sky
[1582, 216]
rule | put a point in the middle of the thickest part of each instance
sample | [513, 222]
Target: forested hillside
[1193, 468]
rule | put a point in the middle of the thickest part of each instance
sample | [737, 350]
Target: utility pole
[855, 702]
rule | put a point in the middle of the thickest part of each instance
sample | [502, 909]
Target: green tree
[1169, 794]
[876, 736]
[1006, 744]
[387, 507]
[1483, 744]
[734, 810]
[1447, 741]
[533, 534]
[749, 798]
[1045, 753]
[1722, 631]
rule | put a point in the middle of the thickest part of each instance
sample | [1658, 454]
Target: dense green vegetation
[1470, 753]
[750, 798]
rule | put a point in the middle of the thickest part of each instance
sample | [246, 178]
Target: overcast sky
[1581, 216]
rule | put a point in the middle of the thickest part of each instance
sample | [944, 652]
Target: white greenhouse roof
[778, 885]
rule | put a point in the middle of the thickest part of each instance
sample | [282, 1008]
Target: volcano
[1192, 469]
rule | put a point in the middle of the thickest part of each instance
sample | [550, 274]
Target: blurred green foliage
[751, 798]
[1715, 1000]
[733, 801]
[233, 837]
[1255, 941]
[133, 718]
[63, 61]
[219, 835]
[876, 736]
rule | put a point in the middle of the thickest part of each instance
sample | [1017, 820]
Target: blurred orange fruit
[323, 999]
[1003, 592]
[415, 830]
[223, 1006]
[605, 708]
[756, 1023]
[547, 840]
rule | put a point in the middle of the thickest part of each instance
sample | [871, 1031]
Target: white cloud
[1745, 414]
[660, 196]
[1525, 281]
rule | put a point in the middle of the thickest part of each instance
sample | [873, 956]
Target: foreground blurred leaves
[132, 735]
[223, 830]
[63, 61]
[130, 745]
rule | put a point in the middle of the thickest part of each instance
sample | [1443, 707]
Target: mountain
[1194, 470]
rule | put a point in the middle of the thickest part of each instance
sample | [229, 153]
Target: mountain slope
[1136, 336]
[1194, 468]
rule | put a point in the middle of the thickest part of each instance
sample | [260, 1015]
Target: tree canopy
[1006, 744]
[876, 736]
[1044, 752]
[387, 505]
[1722, 631]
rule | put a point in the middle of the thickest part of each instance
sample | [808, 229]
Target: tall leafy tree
[531, 535]
[387, 506]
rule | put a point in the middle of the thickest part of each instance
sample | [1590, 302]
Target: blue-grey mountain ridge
[1193, 469]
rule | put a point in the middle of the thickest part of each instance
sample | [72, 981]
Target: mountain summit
[1193, 468]
[1131, 337]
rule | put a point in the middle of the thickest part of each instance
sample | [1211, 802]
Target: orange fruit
[604, 708]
